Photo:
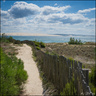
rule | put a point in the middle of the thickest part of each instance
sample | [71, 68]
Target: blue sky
[48, 17]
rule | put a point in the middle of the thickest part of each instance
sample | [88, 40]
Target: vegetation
[38, 48]
[92, 80]
[4, 38]
[42, 45]
[12, 75]
[69, 89]
[73, 41]
[49, 88]
[39, 44]
[7, 39]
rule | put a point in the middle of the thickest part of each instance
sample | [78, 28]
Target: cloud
[28, 17]
[23, 9]
[91, 22]
[61, 18]
[4, 14]
[86, 10]
[46, 10]
[55, 4]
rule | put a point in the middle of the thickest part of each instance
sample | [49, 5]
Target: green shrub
[4, 38]
[42, 45]
[10, 39]
[39, 44]
[36, 43]
[17, 42]
[69, 89]
[73, 41]
[12, 75]
[38, 48]
[92, 80]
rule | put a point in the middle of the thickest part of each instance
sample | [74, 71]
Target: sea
[57, 39]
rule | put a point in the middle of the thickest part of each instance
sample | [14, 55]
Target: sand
[33, 85]
[28, 34]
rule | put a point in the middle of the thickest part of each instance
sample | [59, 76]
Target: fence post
[86, 74]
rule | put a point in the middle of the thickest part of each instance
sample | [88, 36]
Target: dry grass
[84, 53]
[9, 48]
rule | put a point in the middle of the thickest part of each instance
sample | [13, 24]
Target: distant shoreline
[28, 34]
[38, 34]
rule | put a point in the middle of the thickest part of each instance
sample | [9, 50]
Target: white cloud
[86, 10]
[28, 17]
[61, 18]
[23, 9]
[91, 22]
[4, 14]
[55, 4]
[46, 10]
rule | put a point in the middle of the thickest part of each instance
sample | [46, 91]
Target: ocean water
[57, 39]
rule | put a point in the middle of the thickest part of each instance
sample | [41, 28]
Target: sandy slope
[33, 85]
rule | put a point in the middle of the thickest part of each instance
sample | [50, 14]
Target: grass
[92, 80]
[83, 53]
[69, 89]
[12, 75]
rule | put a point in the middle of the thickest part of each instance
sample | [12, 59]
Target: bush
[69, 89]
[10, 39]
[42, 45]
[17, 42]
[92, 80]
[12, 75]
[36, 43]
[38, 48]
[73, 41]
[4, 38]
[39, 44]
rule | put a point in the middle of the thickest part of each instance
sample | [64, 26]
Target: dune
[28, 34]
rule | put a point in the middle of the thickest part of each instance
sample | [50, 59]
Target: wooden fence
[60, 70]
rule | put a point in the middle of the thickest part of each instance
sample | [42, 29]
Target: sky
[48, 17]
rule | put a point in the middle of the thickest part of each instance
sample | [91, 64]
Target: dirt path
[33, 86]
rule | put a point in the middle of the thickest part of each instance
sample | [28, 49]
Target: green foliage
[7, 39]
[52, 53]
[17, 42]
[92, 76]
[47, 52]
[39, 44]
[42, 45]
[69, 89]
[38, 48]
[73, 41]
[10, 39]
[71, 59]
[12, 75]
[92, 80]
[4, 38]
[36, 43]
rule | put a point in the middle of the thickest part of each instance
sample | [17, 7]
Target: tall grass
[69, 89]
[12, 75]
[92, 80]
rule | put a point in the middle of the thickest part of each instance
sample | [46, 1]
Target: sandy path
[33, 86]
